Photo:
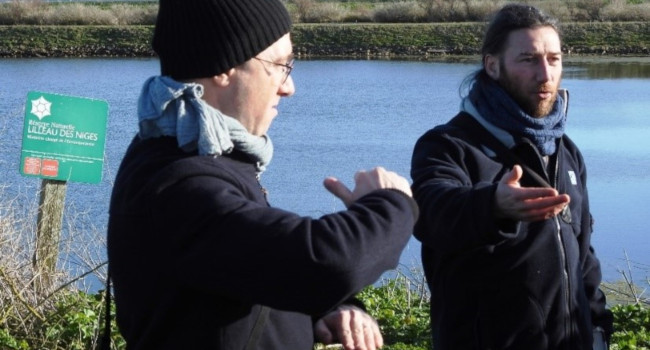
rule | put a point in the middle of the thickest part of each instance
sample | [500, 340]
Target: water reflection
[607, 70]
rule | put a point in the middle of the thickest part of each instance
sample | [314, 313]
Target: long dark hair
[509, 18]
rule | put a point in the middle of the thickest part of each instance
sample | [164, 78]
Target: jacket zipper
[563, 259]
[565, 278]
[562, 251]
[265, 192]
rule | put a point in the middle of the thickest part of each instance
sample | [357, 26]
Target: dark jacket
[195, 250]
[503, 284]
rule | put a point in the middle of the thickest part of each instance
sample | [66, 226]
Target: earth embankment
[364, 40]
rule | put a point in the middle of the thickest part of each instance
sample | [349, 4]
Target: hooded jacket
[503, 284]
[195, 251]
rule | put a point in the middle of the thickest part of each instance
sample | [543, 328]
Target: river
[355, 114]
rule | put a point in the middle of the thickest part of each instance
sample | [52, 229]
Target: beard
[526, 95]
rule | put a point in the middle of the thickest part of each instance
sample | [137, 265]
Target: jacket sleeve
[455, 194]
[246, 250]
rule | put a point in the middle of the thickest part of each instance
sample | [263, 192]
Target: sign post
[48, 234]
[63, 140]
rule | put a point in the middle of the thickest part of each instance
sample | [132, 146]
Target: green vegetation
[62, 316]
[420, 29]
[74, 322]
[401, 306]
[632, 325]
[435, 39]
[75, 41]
[363, 40]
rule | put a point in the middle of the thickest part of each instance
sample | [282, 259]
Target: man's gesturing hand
[511, 201]
[366, 182]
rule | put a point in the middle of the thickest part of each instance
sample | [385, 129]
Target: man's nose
[287, 88]
[544, 71]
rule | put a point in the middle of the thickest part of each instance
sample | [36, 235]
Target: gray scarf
[170, 108]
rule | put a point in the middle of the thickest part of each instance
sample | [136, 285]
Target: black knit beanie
[203, 38]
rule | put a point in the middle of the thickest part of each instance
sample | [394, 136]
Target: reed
[39, 12]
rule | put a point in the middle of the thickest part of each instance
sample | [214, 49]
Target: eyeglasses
[286, 68]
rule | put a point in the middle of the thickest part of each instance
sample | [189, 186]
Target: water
[351, 115]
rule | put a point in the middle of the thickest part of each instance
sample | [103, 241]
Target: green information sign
[64, 137]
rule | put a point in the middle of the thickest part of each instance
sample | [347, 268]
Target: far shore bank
[432, 41]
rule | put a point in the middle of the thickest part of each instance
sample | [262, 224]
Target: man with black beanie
[198, 258]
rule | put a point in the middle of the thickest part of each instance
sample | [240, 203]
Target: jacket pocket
[509, 318]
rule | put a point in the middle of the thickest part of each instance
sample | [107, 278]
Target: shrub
[76, 323]
[129, 14]
[444, 10]
[398, 12]
[40, 12]
[620, 11]
[327, 12]
[37, 12]
[632, 325]
[402, 346]
[358, 13]
[77, 14]
[310, 11]
[478, 11]
[560, 9]
[401, 306]
[58, 316]
[20, 12]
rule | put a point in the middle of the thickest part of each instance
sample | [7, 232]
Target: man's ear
[491, 65]
[225, 78]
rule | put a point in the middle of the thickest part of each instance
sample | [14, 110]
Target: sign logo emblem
[41, 107]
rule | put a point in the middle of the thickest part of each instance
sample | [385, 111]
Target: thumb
[513, 176]
[338, 189]
[322, 333]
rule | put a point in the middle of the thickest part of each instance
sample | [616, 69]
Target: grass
[366, 40]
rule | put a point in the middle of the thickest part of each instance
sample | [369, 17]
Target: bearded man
[505, 224]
